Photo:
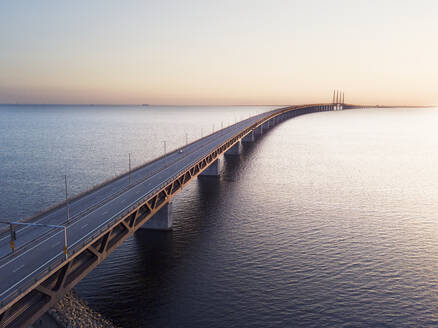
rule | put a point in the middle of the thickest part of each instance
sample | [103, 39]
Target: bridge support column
[259, 130]
[249, 137]
[235, 150]
[213, 170]
[162, 220]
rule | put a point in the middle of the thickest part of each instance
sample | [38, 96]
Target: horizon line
[202, 105]
[144, 105]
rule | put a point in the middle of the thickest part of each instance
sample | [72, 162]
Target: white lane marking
[207, 143]
[83, 198]
[102, 223]
[85, 225]
[19, 268]
[122, 201]
[48, 261]
[75, 223]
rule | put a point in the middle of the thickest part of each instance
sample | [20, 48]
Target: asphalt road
[40, 248]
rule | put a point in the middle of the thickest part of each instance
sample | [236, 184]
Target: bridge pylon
[162, 220]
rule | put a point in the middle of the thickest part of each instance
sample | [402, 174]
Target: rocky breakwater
[73, 312]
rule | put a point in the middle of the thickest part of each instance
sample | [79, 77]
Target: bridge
[44, 256]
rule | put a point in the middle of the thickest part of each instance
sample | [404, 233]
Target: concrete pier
[258, 131]
[250, 137]
[235, 150]
[213, 170]
[162, 220]
[26, 293]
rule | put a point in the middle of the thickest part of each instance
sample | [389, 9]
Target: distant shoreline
[138, 105]
[173, 105]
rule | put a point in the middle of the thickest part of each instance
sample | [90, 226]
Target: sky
[223, 52]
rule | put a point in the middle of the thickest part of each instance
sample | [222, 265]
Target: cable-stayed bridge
[43, 257]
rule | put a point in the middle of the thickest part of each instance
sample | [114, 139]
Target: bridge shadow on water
[162, 255]
[202, 198]
[149, 267]
[192, 210]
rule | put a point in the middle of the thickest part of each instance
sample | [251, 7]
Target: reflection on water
[329, 220]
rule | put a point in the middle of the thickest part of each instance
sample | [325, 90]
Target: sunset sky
[218, 52]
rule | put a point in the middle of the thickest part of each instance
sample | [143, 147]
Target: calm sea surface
[328, 220]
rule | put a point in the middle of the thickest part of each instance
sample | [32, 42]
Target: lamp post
[14, 237]
[164, 146]
[129, 159]
[66, 199]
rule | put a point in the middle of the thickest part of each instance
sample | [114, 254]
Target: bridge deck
[40, 250]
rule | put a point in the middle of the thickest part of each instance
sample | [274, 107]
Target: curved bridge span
[41, 269]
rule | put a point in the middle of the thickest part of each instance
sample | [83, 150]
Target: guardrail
[79, 245]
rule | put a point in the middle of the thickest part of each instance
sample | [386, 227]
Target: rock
[73, 312]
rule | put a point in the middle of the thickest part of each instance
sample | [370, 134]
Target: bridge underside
[31, 302]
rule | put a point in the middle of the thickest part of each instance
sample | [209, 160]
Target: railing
[70, 250]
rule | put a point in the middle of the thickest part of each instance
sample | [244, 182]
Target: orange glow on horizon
[204, 53]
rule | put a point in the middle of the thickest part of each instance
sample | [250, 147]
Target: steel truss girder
[43, 294]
